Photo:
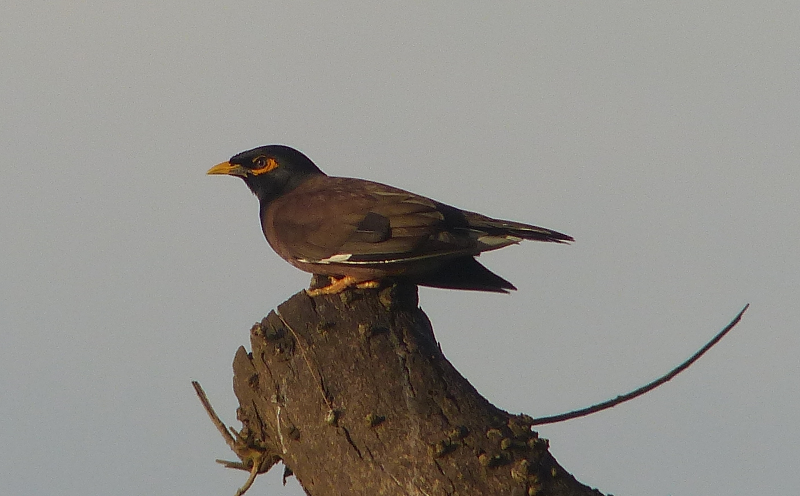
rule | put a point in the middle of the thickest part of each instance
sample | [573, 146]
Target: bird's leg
[339, 285]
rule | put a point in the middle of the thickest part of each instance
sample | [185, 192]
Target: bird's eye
[259, 162]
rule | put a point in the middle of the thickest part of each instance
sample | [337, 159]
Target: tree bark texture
[353, 394]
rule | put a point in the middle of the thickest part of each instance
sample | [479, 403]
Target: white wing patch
[338, 258]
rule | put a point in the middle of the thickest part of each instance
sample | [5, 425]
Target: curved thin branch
[644, 389]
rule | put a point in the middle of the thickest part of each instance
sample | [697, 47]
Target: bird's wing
[330, 220]
[356, 222]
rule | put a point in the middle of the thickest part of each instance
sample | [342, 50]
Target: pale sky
[663, 136]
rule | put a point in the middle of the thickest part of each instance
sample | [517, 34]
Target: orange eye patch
[270, 164]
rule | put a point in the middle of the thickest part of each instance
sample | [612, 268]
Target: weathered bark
[353, 394]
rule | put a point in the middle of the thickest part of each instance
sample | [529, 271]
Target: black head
[269, 171]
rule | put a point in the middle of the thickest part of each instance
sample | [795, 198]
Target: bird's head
[269, 171]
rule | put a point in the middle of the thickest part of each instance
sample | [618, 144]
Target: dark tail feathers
[465, 273]
[500, 227]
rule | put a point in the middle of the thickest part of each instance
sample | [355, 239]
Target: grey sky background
[663, 136]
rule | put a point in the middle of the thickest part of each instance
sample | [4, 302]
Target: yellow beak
[228, 169]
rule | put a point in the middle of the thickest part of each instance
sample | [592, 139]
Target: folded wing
[361, 223]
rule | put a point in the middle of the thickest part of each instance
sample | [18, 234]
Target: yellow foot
[368, 285]
[339, 285]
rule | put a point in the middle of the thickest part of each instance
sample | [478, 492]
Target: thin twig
[644, 389]
[249, 454]
[250, 480]
[231, 442]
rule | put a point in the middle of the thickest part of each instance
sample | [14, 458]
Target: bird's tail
[464, 273]
[499, 227]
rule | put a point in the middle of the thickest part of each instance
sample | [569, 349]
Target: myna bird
[360, 232]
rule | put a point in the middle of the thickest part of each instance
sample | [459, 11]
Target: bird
[362, 233]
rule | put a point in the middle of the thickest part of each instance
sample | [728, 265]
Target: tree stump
[353, 394]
